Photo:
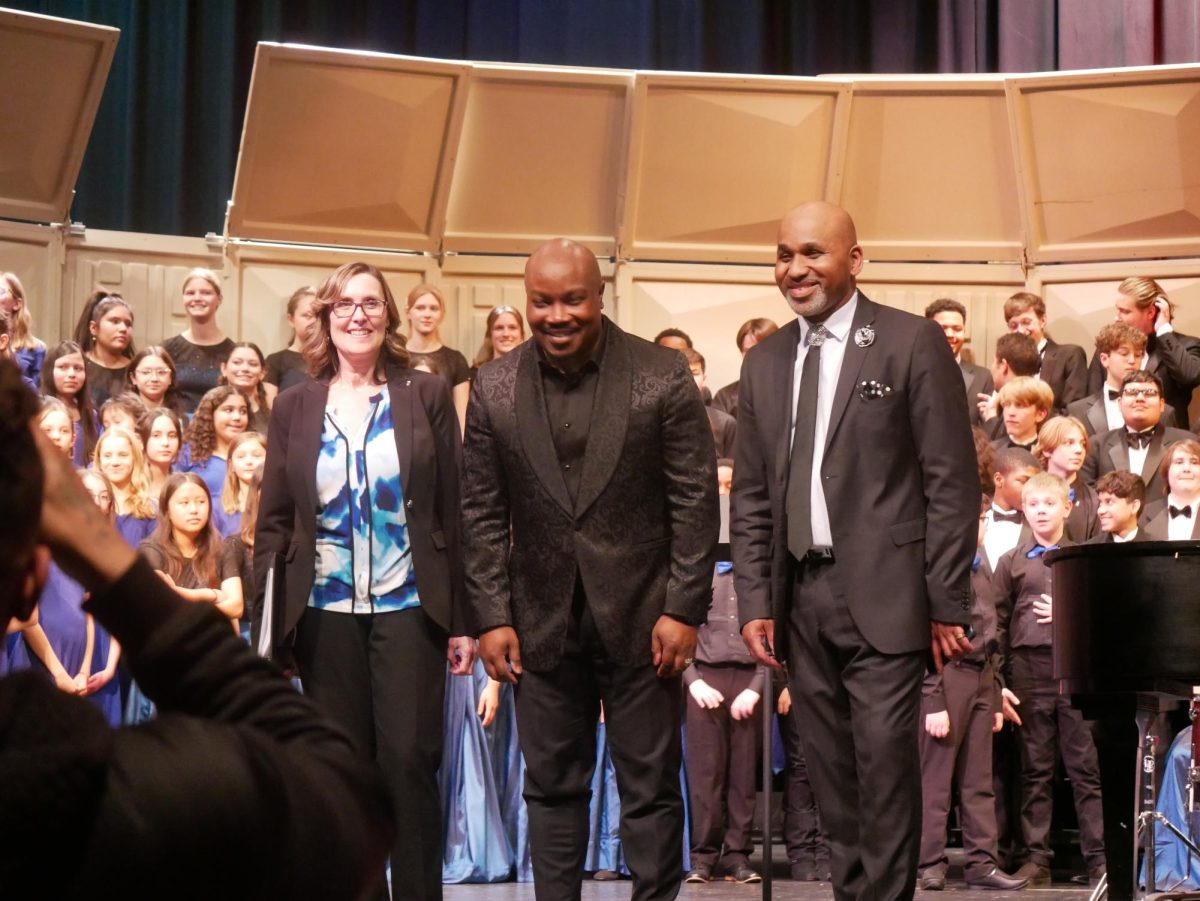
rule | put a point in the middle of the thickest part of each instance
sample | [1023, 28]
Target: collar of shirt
[837, 325]
[594, 361]
[1117, 539]
[1041, 347]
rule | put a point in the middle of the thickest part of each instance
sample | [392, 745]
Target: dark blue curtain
[164, 147]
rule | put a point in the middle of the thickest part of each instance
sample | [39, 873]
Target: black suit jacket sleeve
[1181, 358]
[486, 509]
[752, 526]
[239, 786]
[1075, 375]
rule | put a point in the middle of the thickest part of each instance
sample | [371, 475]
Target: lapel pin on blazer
[865, 336]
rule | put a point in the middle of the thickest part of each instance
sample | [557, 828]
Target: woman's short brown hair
[318, 349]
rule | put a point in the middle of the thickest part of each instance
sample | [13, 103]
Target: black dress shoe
[1035, 874]
[700, 874]
[999, 880]
[804, 871]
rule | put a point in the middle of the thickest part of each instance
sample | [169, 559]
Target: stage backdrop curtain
[162, 154]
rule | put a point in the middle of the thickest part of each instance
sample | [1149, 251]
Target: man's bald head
[564, 297]
[817, 259]
[563, 254]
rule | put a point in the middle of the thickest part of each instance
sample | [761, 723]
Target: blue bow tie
[976, 563]
[1039, 549]
[724, 567]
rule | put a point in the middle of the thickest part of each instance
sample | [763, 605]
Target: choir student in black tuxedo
[1048, 721]
[1139, 445]
[1120, 496]
[1173, 357]
[1119, 348]
[590, 520]
[1176, 517]
[1061, 448]
[748, 335]
[1024, 404]
[962, 708]
[1063, 366]
[1016, 356]
[852, 543]
[952, 317]
[1011, 468]
[724, 426]
[360, 498]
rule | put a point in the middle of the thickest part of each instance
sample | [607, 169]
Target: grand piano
[1126, 642]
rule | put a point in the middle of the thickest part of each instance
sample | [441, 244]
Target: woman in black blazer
[360, 497]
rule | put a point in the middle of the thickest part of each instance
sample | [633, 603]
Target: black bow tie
[1013, 517]
[1113, 393]
[1185, 512]
[1139, 439]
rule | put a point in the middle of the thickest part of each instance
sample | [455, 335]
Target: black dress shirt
[569, 399]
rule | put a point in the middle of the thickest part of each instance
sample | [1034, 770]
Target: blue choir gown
[475, 843]
[1175, 869]
[508, 768]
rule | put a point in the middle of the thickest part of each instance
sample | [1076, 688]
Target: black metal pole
[768, 709]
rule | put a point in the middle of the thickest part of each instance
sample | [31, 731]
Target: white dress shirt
[999, 537]
[1117, 539]
[832, 352]
[1179, 528]
[1112, 408]
[1137, 460]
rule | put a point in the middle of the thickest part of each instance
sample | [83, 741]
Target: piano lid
[1127, 617]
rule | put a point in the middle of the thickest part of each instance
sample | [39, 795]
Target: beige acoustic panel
[54, 71]
[347, 149]
[928, 172]
[715, 161]
[34, 253]
[1109, 163]
[982, 289]
[708, 302]
[542, 154]
[474, 285]
[148, 271]
[264, 277]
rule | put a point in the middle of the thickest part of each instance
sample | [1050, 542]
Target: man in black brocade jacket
[590, 528]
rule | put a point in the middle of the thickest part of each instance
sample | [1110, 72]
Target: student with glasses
[1138, 445]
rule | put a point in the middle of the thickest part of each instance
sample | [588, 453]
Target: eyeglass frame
[359, 305]
[1147, 393]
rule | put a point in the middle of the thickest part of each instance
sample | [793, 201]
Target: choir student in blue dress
[247, 453]
[222, 415]
[122, 411]
[161, 432]
[66, 643]
[119, 457]
[246, 369]
[55, 422]
[27, 350]
[152, 379]
[64, 375]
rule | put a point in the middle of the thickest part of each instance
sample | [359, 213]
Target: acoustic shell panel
[1109, 163]
[542, 154]
[54, 71]
[929, 173]
[715, 161]
[347, 149]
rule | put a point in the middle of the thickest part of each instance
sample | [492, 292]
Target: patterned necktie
[799, 490]
[1184, 511]
[1040, 549]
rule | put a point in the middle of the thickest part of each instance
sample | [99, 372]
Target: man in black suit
[1063, 366]
[590, 523]
[855, 506]
[1120, 496]
[1138, 446]
[1173, 357]
[1119, 348]
[1016, 356]
[952, 317]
